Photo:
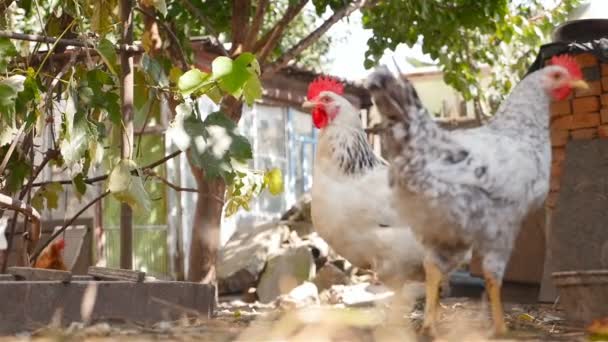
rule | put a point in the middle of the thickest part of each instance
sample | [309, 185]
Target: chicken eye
[556, 76]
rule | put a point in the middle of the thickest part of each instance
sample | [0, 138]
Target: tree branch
[239, 24]
[93, 180]
[256, 24]
[271, 39]
[206, 23]
[314, 36]
[63, 41]
[68, 223]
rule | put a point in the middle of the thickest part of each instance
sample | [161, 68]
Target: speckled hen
[472, 187]
[350, 192]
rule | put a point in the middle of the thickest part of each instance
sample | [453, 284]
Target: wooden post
[127, 74]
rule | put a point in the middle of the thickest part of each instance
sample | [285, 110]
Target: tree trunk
[205, 240]
[126, 151]
[204, 245]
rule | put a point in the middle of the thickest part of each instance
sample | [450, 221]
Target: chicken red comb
[60, 244]
[324, 84]
[569, 63]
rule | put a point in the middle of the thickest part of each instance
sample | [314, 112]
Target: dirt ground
[462, 319]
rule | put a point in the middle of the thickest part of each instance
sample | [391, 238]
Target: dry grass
[460, 320]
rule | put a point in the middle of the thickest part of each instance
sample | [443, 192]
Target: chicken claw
[493, 288]
[433, 282]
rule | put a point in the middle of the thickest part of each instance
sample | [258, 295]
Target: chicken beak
[579, 84]
[308, 104]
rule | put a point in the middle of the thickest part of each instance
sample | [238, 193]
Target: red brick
[585, 104]
[602, 131]
[584, 134]
[605, 100]
[562, 123]
[595, 89]
[560, 108]
[605, 83]
[604, 115]
[585, 120]
[586, 60]
[559, 137]
[558, 155]
[604, 69]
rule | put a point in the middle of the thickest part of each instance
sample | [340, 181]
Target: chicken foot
[433, 283]
[493, 286]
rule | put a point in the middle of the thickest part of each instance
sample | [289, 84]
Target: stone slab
[29, 305]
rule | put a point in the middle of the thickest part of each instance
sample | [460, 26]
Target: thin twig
[62, 41]
[314, 36]
[68, 223]
[206, 24]
[93, 180]
[271, 39]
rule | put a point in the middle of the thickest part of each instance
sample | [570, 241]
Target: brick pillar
[583, 116]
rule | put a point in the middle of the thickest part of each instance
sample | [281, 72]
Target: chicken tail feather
[396, 99]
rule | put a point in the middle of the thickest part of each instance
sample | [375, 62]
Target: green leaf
[79, 185]
[252, 90]
[191, 81]
[49, 194]
[107, 51]
[128, 188]
[274, 180]
[103, 15]
[79, 131]
[174, 74]
[19, 170]
[240, 148]
[154, 70]
[7, 51]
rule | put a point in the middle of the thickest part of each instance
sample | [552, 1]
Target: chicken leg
[433, 282]
[493, 286]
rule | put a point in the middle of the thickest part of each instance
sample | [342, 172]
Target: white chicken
[350, 192]
[473, 187]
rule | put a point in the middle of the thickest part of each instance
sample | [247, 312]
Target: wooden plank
[105, 273]
[38, 274]
[6, 277]
[82, 278]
